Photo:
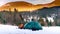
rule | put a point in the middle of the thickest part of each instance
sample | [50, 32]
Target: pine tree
[15, 12]
[41, 21]
[2, 19]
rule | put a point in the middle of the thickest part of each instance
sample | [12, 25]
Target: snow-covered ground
[9, 29]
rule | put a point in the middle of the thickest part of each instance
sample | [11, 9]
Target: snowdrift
[9, 29]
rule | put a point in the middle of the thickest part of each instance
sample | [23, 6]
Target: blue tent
[33, 25]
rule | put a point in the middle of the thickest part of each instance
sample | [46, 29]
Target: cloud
[2, 2]
[40, 1]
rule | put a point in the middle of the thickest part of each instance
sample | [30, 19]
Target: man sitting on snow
[34, 25]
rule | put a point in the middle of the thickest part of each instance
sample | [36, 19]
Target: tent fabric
[33, 25]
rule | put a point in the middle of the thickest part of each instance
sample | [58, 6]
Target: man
[21, 24]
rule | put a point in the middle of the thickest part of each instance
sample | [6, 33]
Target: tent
[33, 25]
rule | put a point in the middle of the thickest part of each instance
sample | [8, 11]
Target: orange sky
[24, 6]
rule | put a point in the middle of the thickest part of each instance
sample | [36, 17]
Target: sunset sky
[27, 5]
[2, 2]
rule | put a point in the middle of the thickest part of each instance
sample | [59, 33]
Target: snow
[9, 29]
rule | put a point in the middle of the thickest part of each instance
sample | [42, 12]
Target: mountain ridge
[25, 6]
